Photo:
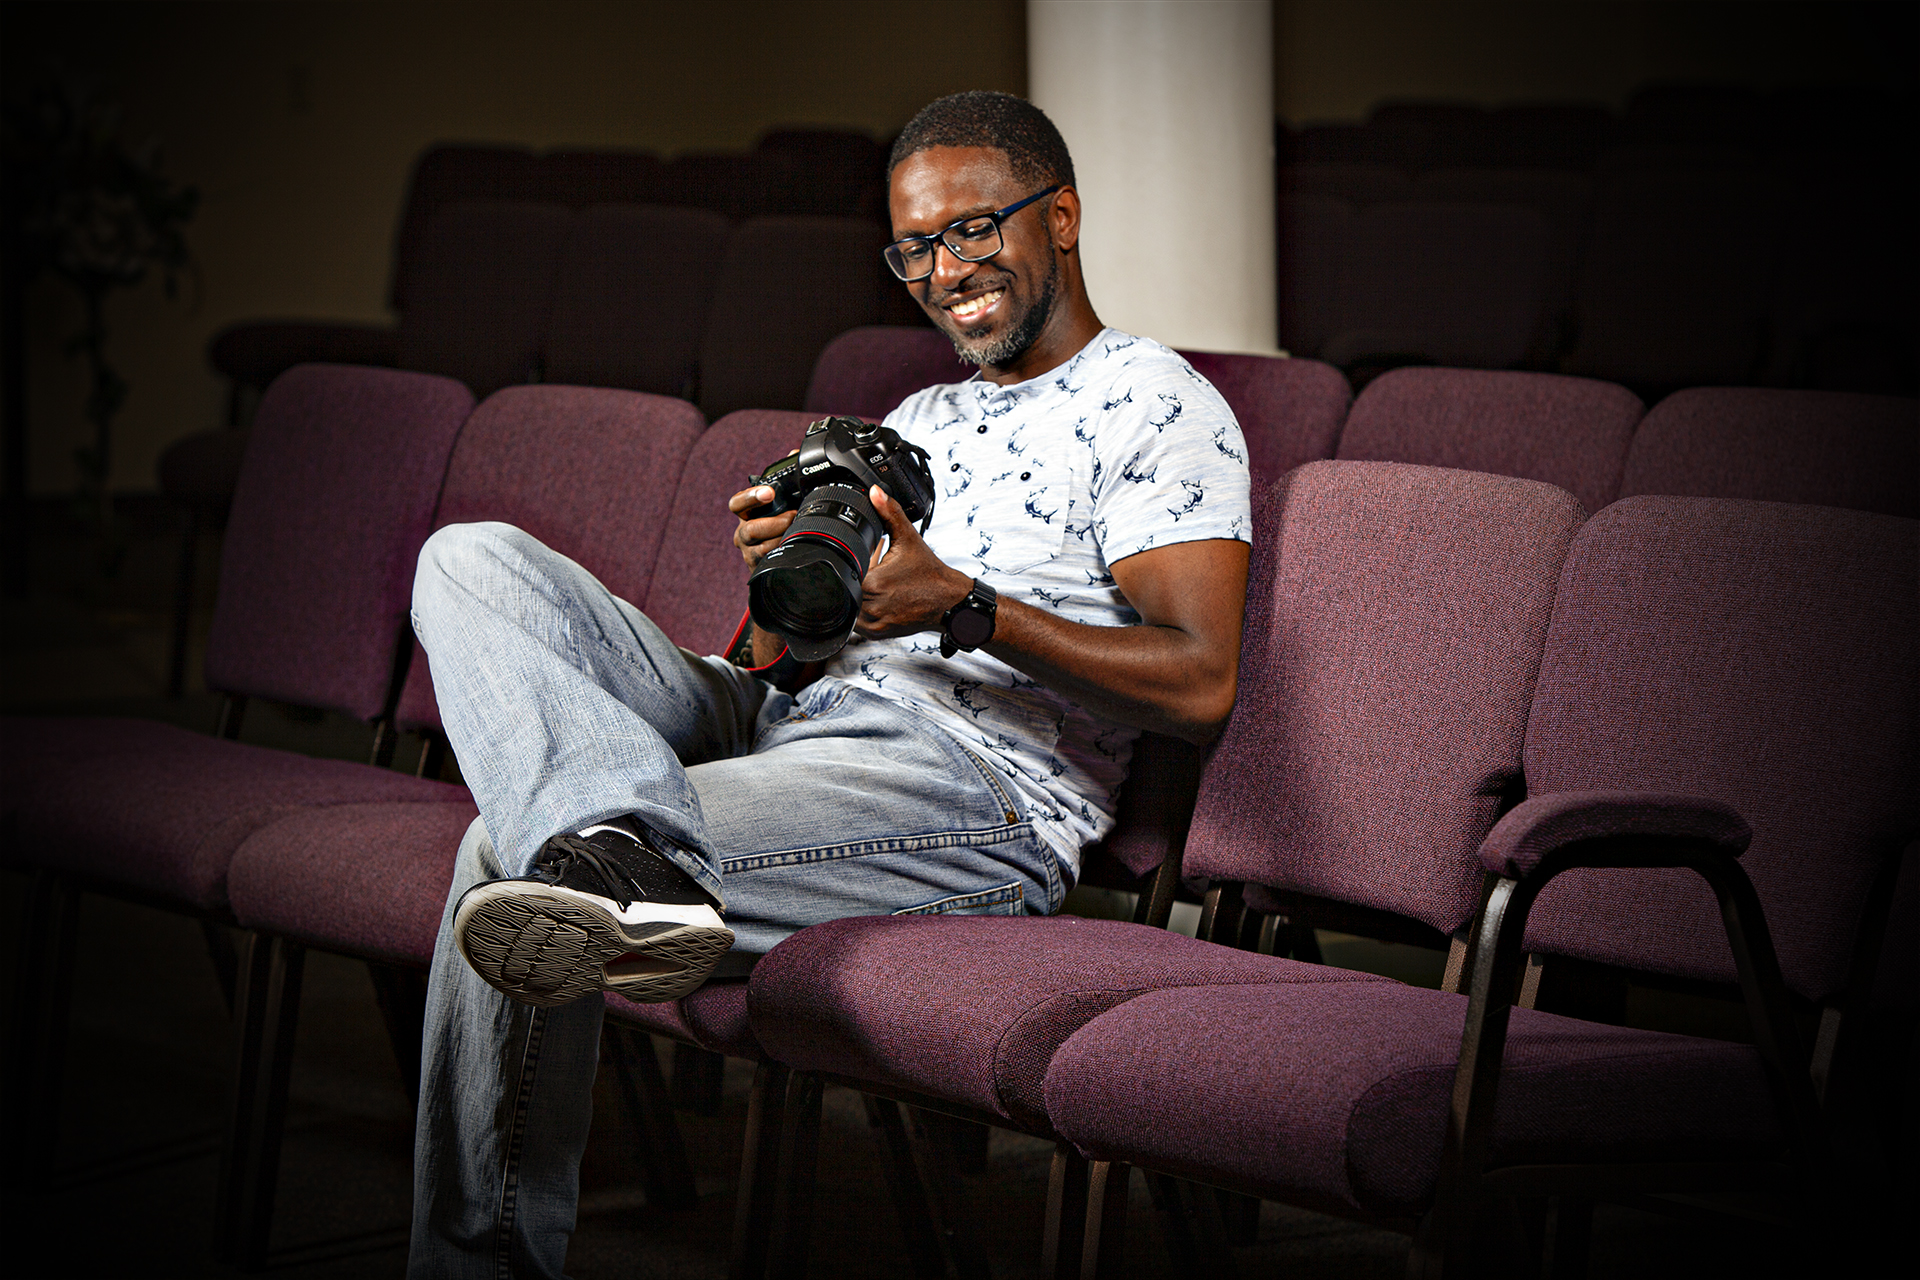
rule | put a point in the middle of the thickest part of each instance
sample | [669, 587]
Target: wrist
[971, 621]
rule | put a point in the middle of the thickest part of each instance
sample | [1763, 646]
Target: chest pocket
[1021, 515]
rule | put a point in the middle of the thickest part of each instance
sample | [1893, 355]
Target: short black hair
[984, 118]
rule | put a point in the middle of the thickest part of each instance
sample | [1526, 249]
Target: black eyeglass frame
[896, 262]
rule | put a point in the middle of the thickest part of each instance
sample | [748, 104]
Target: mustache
[976, 285]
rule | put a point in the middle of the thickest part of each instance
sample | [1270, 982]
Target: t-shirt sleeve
[1171, 464]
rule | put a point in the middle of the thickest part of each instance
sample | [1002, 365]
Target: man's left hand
[908, 588]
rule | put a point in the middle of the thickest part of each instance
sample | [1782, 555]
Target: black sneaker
[600, 911]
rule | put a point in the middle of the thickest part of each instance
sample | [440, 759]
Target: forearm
[767, 647]
[1151, 677]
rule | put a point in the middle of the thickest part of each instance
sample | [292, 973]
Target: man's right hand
[756, 537]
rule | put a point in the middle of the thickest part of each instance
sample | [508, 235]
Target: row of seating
[1731, 120]
[1456, 571]
[1658, 276]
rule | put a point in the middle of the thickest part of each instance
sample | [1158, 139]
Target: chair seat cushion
[714, 1017]
[157, 810]
[1337, 1096]
[363, 879]
[969, 1009]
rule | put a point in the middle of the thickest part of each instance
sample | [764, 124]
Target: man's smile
[978, 305]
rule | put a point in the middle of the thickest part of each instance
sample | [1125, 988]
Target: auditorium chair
[787, 287]
[1832, 448]
[333, 504]
[630, 298]
[1394, 625]
[867, 372]
[372, 880]
[1289, 410]
[1573, 432]
[1719, 768]
[1449, 284]
[1359, 185]
[482, 290]
[1673, 288]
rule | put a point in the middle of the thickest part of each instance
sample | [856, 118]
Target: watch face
[970, 627]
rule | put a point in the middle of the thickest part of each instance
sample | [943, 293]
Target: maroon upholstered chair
[1718, 677]
[1314, 244]
[334, 499]
[586, 470]
[1572, 432]
[867, 372]
[1395, 619]
[631, 295]
[1833, 448]
[1451, 284]
[1289, 410]
[480, 291]
[372, 880]
[758, 353]
[1673, 288]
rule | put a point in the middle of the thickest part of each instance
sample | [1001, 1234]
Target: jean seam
[870, 848]
[516, 1138]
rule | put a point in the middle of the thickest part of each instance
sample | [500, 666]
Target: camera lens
[807, 588]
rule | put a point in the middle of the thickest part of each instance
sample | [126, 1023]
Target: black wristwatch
[969, 624]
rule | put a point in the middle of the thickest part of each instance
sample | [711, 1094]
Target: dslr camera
[806, 589]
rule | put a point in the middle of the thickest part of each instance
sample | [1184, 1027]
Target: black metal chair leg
[42, 1001]
[402, 996]
[918, 1227]
[1066, 1228]
[1569, 1233]
[250, 1163]
[933, 1140]
[663, 1152]
[1196, 1238]
[226, 960]
[1103, 1248]
[697, 1076]
[183, 604]
[799, 1168]
[759, 1174]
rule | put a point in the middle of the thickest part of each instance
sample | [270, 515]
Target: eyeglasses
[971, 239]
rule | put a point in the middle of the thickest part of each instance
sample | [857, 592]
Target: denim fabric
[566, 706]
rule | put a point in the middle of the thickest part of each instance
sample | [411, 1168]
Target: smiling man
[647, 815]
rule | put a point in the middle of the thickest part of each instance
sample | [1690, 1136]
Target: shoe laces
[562, 853]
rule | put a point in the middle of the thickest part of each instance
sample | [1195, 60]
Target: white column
[1167, 107]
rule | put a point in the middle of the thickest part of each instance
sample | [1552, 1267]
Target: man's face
[992, 310]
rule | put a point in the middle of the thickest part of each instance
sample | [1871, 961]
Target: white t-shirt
[1041, 487]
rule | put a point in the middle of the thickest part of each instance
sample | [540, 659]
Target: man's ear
[1063, 219]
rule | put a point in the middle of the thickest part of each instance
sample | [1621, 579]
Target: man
[644, 811]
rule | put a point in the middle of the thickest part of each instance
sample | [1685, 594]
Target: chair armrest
[1542, 825]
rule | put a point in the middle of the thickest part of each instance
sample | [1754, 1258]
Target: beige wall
[298, 121]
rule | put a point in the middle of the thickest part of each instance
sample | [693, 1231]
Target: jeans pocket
[1005, 900]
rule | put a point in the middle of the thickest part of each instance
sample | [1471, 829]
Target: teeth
[973, 306]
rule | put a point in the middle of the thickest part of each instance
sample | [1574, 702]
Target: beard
[1025, 331]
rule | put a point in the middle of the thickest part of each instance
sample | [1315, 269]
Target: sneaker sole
[546, 945]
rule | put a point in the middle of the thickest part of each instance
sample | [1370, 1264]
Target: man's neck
[1071, 327]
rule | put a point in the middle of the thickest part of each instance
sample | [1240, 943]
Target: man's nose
[949, 268]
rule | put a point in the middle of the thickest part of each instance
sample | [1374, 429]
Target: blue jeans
[565, 706]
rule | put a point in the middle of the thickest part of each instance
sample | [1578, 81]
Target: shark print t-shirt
[1042, 487]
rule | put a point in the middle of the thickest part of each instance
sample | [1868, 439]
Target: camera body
[806, 589]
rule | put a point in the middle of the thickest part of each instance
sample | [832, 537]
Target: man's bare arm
[1174, 673]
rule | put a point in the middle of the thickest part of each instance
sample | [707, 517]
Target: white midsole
[644, 912]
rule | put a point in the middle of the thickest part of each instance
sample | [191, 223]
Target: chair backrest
[480, 290]
[587, 471]
[1674, 283]
[336, 494]
[1395, 618]
[1458, 284]
[1315, 240]
[1572, 432]
[580, 178]
[759, 353]
[1357, 184]
[1289, 410]
[868, 371]
[630, 297]
[1760, 654]
[699, 585]
[449, 173]
[1833, 448]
